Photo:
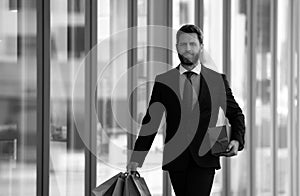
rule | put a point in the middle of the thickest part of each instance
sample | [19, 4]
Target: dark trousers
[194, 181]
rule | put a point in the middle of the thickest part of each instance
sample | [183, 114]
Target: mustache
[187, 53]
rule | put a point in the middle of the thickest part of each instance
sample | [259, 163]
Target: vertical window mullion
[199, 13]
[274, 134]
[132, 60]
[226, 69]
[292, 130]
[43, 96]
[90, 101]
[250, 123]
[297, 58]
[166, 180]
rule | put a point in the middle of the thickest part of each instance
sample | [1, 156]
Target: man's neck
[189, 67]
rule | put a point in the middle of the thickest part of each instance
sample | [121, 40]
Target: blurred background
[42, 152]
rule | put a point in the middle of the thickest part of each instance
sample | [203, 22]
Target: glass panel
[213, 44]
[239, 85]
[151, 169]
[18, 97]
[213, 31]
[283, 114]
[183, 13]
[263, 107]
[296, 99]
[112, 97]
[67, 52]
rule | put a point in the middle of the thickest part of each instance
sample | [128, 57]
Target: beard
[186, 61]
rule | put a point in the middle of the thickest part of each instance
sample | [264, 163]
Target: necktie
[188, 92]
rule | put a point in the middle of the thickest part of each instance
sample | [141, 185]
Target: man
[191, 96]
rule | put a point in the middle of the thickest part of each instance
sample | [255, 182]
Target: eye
[182, 44]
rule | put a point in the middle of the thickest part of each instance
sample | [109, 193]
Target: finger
[227, 154]
[131, 167]
[230, 153]
[235, 152]
[229, 147]
[235, 149]
[128, 169]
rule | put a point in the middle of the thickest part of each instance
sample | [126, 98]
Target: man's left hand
[232, 149]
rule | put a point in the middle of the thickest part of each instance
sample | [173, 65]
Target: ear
[177, 47]
[201, 47]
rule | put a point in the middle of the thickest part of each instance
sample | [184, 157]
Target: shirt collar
[196, 70]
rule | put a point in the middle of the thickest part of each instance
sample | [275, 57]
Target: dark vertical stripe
[226, 68]
[199, 13]
[274, 134]
[167, 190]
[90, 95]
[251, 51]
[291, 117]
[132, 60]
[43, 96]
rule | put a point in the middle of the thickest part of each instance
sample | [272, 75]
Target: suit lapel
[173, 82]
[203, 89]
[176, 83]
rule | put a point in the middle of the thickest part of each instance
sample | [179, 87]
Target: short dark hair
[190, 28]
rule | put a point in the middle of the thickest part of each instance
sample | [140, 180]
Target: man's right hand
[132, 166]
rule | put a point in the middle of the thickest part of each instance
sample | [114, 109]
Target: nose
[188, 47]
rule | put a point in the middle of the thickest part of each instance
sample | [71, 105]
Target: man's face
[188, 48]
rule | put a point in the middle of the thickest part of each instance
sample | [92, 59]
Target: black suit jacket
[186, 131]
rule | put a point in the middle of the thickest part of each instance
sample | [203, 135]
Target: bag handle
[132, 173]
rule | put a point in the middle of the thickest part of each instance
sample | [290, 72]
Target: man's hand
[132, 166]
[232, 149]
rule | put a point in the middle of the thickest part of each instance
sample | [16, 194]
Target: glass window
[263, 106]
[213, 44]
[151, 169]
[18, 97]
[239, 85]
[282, 87]
[66, 166]
[213, 32]
[296, 99]
[112, 89]
[183, 12]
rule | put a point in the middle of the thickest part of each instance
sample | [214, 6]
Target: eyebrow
[187, 42]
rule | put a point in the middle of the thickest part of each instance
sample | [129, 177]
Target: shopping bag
[135, 185]
[129, 187]
[219, 138]
[107, 187]
[141, 185]
[119, 188]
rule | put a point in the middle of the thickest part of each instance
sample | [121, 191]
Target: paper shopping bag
[130, 188]
[107, 187]
[219, 138]
[141, 185]
[119, 188]
[135, 185]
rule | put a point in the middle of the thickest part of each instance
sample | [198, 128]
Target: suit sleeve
[150, 125]
[235, 116]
